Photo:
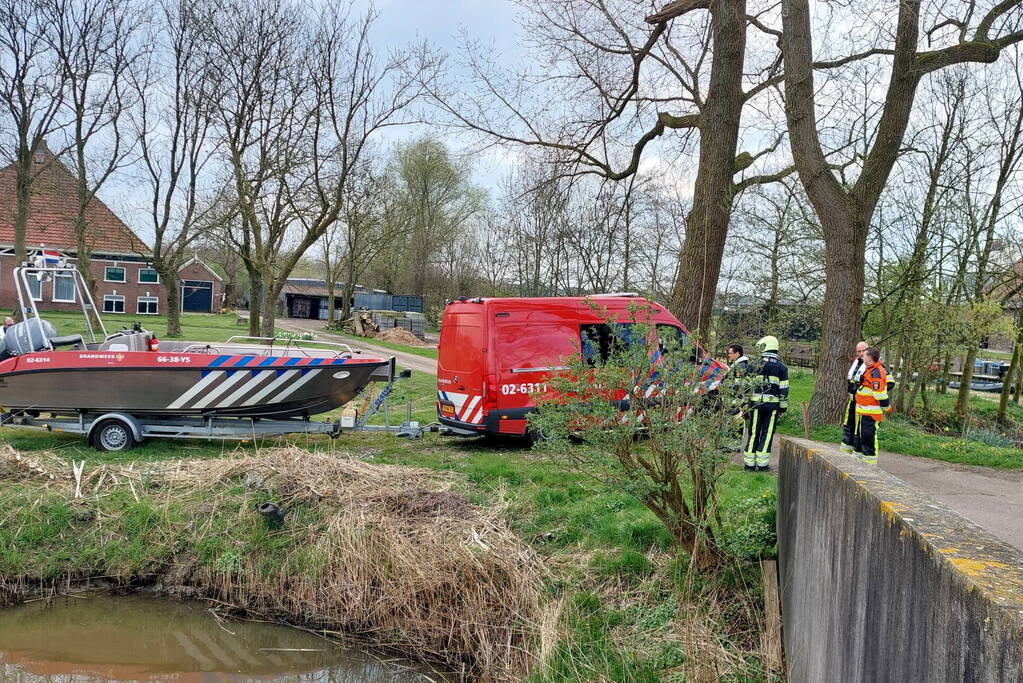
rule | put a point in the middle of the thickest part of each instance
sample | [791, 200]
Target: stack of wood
[360, 323]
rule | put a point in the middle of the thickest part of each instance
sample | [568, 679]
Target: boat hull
[148, 383]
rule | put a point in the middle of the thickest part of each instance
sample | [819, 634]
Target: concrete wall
[881, 583]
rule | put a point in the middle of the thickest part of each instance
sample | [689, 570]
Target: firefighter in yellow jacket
[871, 405]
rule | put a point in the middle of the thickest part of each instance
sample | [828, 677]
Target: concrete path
[404, 360]
[987, 497]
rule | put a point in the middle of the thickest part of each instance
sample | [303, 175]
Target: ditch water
[138, 638]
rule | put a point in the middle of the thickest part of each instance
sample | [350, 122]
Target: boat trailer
[120, 431]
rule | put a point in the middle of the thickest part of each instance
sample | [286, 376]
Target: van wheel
[113, 435]
[533, 436]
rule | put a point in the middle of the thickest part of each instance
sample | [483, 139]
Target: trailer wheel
[113, 435]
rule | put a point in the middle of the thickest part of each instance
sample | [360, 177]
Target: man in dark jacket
[738, 380]
[769, 400]
[738, 363]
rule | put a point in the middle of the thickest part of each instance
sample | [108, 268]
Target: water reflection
[135, 638]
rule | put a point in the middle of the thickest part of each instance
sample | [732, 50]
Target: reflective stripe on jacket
[770, 382]
[872, 394]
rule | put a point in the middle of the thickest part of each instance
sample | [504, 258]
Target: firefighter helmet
[768, 343]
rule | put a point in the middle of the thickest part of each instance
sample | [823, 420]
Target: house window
[35, 288]
[148, 305]
[64, 288]
[113, 303]
[149, 276]
[114, 274]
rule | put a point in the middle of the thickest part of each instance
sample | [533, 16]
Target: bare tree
[370, 222]
[535, 210]
[1007, 124]
[776, 244]
[846, 210]
[612, 72]
[913, 278]
[493, 254]
[97, 45]
[174, 140]
[301, 95]
[31, 92]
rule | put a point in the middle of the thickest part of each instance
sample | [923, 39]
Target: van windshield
[461, 345]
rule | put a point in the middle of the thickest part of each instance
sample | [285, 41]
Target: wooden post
[772, 615]
[806, 419]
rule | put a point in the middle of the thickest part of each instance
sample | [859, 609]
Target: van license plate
[447, 409]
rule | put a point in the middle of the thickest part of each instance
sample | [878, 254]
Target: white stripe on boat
[290, 390]
[196, 388]
[245, 388]
[273, 386]
[221, 388]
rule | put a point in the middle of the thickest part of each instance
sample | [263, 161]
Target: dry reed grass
[400, 559]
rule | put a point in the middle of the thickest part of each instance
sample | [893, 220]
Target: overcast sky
[440, 21]
[446, 24]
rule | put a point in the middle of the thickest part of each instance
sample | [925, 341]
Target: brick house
[125, 283]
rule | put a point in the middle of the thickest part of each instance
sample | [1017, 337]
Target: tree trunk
[169, 277]
[1019, 380]
[699, 266]
[23, 193]
[1014, 365]
[330, 300]
[919, 384]
[845, 247]
[230, 293]
[83, 259]
[346, 303]
[268, 309]
[946, 368]
[255, 299]
[173, 287]
[963, 398]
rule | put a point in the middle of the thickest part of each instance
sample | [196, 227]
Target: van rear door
[531, 346]
[461, 364]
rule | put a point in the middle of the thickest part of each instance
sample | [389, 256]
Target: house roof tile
[52, 210]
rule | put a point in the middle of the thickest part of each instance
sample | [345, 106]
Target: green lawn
[206, 327]
[425, 352]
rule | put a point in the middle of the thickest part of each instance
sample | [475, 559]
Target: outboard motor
[28, 336]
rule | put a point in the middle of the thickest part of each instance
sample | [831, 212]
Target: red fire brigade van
[495, 352]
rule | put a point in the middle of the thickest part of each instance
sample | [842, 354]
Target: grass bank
[387, 553]
[614, 602]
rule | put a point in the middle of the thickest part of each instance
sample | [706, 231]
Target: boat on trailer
[134, 386]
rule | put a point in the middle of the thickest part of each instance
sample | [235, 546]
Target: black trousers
[865, 439]
[849, 424]
[760, 428]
